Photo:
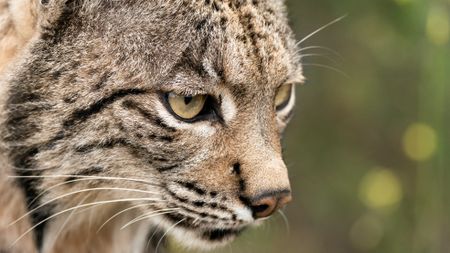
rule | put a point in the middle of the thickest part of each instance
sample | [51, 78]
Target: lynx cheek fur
[127, 120]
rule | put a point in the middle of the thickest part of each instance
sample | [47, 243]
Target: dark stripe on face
[131, 105]
[199, 203]
[251, 34]
[193, 55]
[31, 191]
[19, 123]
[24, 104]
[158, 160]
[237, 170]
[175, 196]
[194, 212]
[83, 114]
[187, 60]
[192, 187]
[162, 169]
[188, 222]
[160, 138]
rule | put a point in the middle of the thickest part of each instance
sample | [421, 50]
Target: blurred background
[369, 147]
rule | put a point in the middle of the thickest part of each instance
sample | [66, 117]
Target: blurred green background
[369, 149]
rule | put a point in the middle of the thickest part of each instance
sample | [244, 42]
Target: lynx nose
[266, 205]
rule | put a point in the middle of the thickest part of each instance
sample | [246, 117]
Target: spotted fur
[84, 121]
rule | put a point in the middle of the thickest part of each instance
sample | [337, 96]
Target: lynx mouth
[221, 234]
[206, 235]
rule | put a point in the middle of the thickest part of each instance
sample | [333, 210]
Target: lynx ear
[22, 20]
[27, 16]
[23, 16]
[18, 27]
[49, 11]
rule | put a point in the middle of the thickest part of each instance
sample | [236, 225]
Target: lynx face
[174, 107]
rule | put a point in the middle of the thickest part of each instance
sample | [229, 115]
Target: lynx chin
[124, 122]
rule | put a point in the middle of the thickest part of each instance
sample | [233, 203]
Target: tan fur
[17, 26]
[82, 93]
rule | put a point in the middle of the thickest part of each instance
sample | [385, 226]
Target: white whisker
[91, 177]
[36, 169]
[153, 234]
[320, 47]
[327, 67]
[320, 29]
[286, 221]
[57, 185]
[76, 192]
[195, 221]
[168, 230]
[55, 238]
[119, 213]
[76, 207]
[319, 55]
[149, 215]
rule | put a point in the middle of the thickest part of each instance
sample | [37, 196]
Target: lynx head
[181, 102]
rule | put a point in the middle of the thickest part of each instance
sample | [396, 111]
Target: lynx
[127, 121]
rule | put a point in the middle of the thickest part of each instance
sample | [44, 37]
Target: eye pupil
[188, 100]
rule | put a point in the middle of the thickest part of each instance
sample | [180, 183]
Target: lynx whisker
[320, 29]
[35, 169]
[328, 67]
[285, 220]
[77, 192]
[319, 55]
[153, 234]
[68, 218]
[58, 185]
[149, 215]
[167, 231]
[74, 208]
[119, 213]
[334, 52]
[90, 177]
[176, 122]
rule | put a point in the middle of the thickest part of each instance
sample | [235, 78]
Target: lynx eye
[283, 96]
[186, 107]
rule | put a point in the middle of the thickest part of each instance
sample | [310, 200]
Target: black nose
[266, 204]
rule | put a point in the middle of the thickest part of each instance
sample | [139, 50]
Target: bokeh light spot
[366, 233]
[438, 26]
[380, 189]
[420, 142]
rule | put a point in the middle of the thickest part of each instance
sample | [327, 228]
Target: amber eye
[283, 96]
[186, 107]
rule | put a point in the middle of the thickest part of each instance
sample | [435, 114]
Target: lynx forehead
[153, 118]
